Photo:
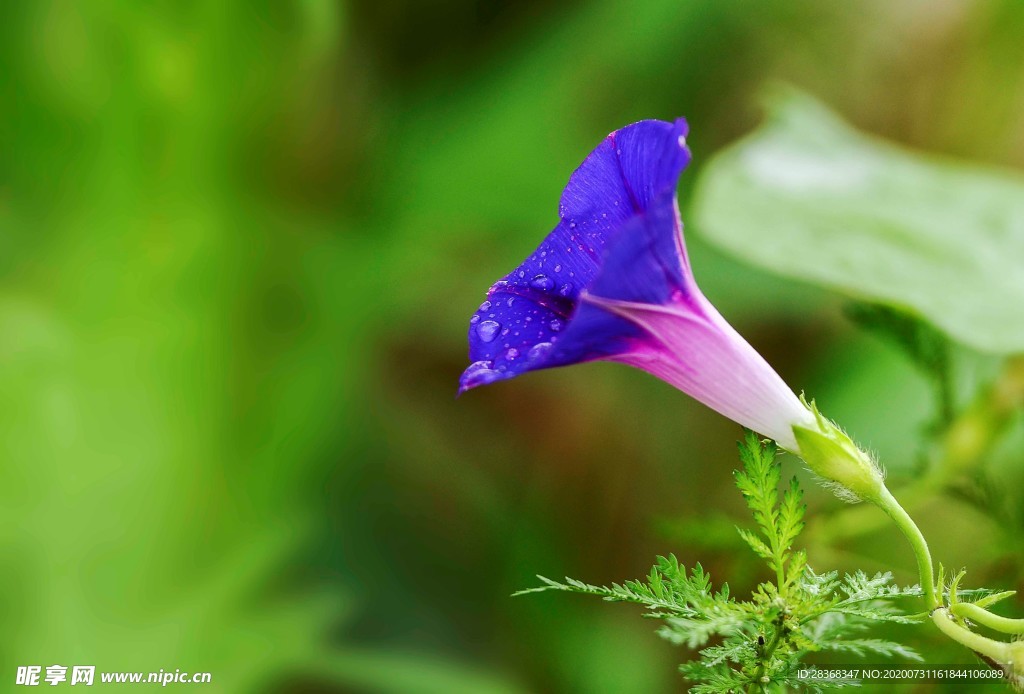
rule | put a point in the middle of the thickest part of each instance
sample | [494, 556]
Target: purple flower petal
[689, 345]
[613, 281]
[528, 309]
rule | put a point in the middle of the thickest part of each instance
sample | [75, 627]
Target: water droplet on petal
[522, 274]
[475, 319]
[572, 225]
[512, 353]
[485, 305]
[479, 373]
[555, 324]
[488, 330]
[542, 282]
[539, 350]
[558, 268]
[509, 302]
[565, 290]
[477, 366]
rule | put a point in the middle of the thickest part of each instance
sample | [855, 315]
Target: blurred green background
[239, 246]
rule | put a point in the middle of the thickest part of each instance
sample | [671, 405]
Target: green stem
[766, 656]
[994, 650]
[982, 616]
[906, 524]
[780, 575]
[964, 446]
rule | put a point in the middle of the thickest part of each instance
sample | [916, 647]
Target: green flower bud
[832, 455]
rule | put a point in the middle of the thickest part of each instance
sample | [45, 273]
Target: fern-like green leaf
[762, 644]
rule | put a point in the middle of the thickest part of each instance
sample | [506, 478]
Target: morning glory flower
[612, 282]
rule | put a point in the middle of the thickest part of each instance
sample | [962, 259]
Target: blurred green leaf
[927, 348]
[397, 672]
[808, 197]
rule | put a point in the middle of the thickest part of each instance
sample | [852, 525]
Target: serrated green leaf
[760, 644]
[808, 197]
[757, 544]
[797, 566]
[863, 647]
[654, 580]
[880, 615]
[791, 514]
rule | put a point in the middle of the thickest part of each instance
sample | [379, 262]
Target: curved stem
[906, 524]
[995, 650]
[983, 617]
[964, 445]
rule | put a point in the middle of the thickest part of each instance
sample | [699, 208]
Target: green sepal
[831, 454]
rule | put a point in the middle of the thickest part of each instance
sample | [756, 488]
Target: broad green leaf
[808, 197]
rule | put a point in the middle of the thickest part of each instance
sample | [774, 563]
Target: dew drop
[475, 319]
[509, 302]
[479, 373]
[512, 353]
[539, 350]
[488, 330]
[555, 324]
[522, 274]
[542, 282]
[572, 225]
[558, 268]
[565, 289]
[485, 305]
[478, 366]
